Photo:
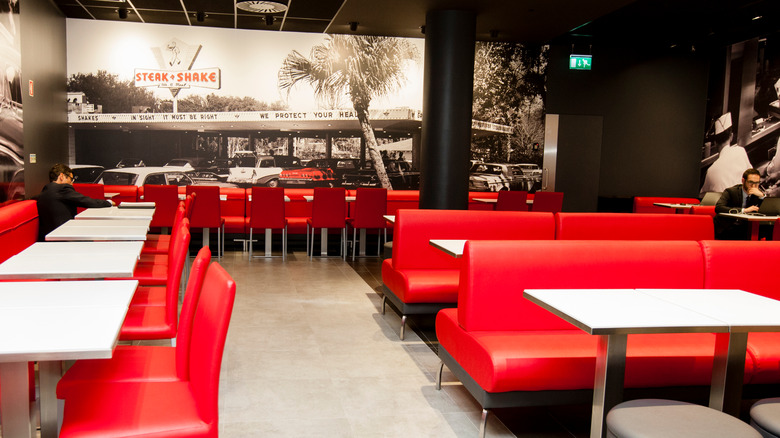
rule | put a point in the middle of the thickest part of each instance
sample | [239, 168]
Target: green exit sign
[579, 62]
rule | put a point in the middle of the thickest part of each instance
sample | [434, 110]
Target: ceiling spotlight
[269, 20]
[122, 13]
[353, 25]
[200, 16]
[263, 7]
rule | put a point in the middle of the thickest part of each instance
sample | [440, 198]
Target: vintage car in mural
[527, 176]
[320, 172]
[489, 177]
[264, 170]
[400, 173]
[139, 176]
[86, 173]
[130, 162]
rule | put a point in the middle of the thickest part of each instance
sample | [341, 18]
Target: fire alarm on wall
[31, 89]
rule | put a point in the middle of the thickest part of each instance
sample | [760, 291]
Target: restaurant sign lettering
[175, 71]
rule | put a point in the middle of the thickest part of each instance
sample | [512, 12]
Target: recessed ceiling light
[757, 17]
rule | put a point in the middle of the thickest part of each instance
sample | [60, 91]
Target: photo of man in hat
[732, 160]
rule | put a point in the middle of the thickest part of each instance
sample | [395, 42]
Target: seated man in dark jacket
[741, 198]
[58, 201]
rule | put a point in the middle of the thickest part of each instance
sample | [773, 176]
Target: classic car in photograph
[139, 176]
[320, 172]
[489, 177]
[264, 170]
[400, 173]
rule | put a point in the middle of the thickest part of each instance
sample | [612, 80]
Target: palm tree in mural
[363, 67]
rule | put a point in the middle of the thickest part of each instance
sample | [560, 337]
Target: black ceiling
[659, 21]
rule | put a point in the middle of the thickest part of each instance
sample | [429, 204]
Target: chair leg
[354, 242]
[284, 243]
[438, 378]
[307, 239]
[222, 241]
[250, 243]
[403, 326]
[483, 423]
[384, 301]
[378, 244]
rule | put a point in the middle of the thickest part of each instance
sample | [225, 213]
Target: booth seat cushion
[496, 272]
[632, 226]
[422, 285]
[502, 361]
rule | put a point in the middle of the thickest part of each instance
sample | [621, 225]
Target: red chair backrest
[267, 208]
[329, 208]
[512, 201]
[189, 203]
[166, 200]
[176, 260]
[776, 231]
[206, 211]
[370, 206]
[94, 191]
[188, 306]
[703, 209]
[209, 329]
[547, 201]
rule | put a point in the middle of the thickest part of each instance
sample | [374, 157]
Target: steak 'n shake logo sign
[175, 72]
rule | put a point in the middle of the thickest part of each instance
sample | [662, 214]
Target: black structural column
[447, 100]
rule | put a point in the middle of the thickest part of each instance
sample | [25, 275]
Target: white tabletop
[116, 213]
[453, 247]
[751, 217]
[742, 311]
[286, 198]
[673, 205]
[310, 198]
[78, 263]
[62, 320]
[495, 200]
[70, 231]
[182, 197]
[142, 205]
[125, 223]
[623, 311]
[390, 218]
[78, 249]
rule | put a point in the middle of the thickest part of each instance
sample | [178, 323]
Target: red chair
[267, 212]
[144, 322]
[703, 209]
[162, 258]
[166, 201]
[369, 209]
[144, 362]
[512, 201]
[161, 243]
[206, 214]
[547, 201]
[164, 409]
[329, 210]
[776, 230]
[94, 191]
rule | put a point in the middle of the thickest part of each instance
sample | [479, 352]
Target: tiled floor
[309, 354]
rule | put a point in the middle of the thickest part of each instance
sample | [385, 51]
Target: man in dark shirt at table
[58, 201]
[741, 198]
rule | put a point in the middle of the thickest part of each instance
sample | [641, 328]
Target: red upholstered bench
[421, 279]
[18, 227]
[632, 226]
[508, 351]
[644, 204]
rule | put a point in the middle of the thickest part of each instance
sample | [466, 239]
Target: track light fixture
[200, 16]
[353, 25]
[122, 13]
[269, 20]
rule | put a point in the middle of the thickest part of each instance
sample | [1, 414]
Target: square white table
[452, 247]
[52, 321]
[613, 314]
[43, 260]
[678, 208]
[97, 229]
[126, 223]
[116, 213]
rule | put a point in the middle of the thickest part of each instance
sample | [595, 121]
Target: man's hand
[755, 191]
[750, 209]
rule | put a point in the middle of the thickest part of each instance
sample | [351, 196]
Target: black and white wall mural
[183, 105]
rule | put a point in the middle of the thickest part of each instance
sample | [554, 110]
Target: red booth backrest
[18, 227]
[414, 228]
[726, 266]
[644, 204]
[632, 226]
[495, 273]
